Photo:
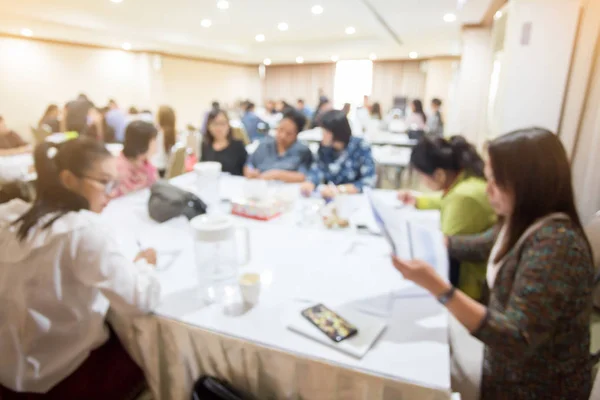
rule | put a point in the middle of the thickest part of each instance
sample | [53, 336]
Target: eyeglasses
[109, 185]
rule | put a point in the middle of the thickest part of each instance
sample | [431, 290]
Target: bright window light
[353, 80]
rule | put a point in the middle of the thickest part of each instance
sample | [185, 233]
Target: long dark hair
[49, 109]
[418, 105]
[52, 197]
[533, 165]
[376, 110]
[454, 154]
[208, 136]
[167, 122]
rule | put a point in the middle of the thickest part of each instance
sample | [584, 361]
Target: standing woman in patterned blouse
[536, 327]
[344, 163]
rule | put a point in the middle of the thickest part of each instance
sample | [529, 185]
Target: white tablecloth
[252, 348]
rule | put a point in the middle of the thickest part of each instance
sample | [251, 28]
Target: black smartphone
[330, 323]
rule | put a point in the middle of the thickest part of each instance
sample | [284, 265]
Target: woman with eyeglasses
[219, 145]
[135, 171]
[61, 269]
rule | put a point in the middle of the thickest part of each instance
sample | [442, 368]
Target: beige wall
[34, 74]
[190, 86]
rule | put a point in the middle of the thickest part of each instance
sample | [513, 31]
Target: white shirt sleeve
[131, 288]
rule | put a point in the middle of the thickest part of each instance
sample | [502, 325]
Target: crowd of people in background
[342, 159]
[521, 270]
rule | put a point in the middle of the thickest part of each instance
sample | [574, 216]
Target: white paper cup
[250, 288]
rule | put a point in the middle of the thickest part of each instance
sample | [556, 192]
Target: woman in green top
[453, 168]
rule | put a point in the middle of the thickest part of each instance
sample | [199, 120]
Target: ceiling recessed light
[222, 4]
[299, 60]
[267, 61]
[206, 23]
[126, 46]
[282, 26]
[350, 30]
[317, 9]
[116, 1]
[260, 37]
[27, 32]
[498, 15]
[413, 55]
[372, 56]
[334, 58]
[450, 17]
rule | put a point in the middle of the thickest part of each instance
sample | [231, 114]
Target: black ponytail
[455, 154]
[52, 197]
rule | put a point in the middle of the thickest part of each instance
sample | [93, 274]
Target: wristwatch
[447, 296]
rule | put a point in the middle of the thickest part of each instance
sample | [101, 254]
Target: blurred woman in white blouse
[416, 120]
[60, 271]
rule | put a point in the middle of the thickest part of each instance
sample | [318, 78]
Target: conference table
[300, 264]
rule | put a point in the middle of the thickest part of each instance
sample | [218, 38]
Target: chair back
[592, 230]
[176, 165]
[40, 134]
[240, 134]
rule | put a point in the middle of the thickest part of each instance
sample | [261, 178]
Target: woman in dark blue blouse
[344, 163]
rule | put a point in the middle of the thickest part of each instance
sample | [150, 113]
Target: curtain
[390, 79]
[397, 78]
[291, 82]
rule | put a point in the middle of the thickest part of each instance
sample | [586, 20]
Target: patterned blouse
[354, 165]
[537, 328]
[134, 177]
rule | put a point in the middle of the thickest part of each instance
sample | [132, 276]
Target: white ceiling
[173, 26]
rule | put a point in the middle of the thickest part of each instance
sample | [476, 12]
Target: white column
[473, 85]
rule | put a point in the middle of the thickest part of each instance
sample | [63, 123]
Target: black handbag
[209, 388]
[168, 201]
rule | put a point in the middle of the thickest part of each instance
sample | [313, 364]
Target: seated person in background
[117, 120]
[322, 108]
[344, 163]
[215, 105]
[133, 165]
[346, 109]
[281, 106]
[251, 122]
[304, 109]
[166, 138]
[10, 142]
[49, 121]
[62, 269]
[98, 128]
[416, 120]
[536, 326]
[270, 108]
[454, 168]
[76, 113]
[283, 158]
[219, 145]
[376, 112]
[435, 121]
